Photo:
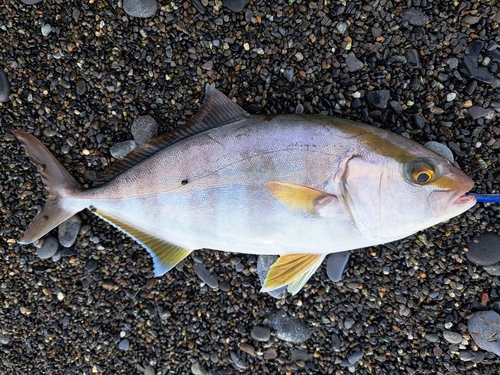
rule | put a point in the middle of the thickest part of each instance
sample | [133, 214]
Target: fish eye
[421, 172]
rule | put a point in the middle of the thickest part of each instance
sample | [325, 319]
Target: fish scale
[295, 186]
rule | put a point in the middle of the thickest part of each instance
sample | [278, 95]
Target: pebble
[486, 251]
[149, 370]
[452, 337]
[470, 67]
[270, 353]
[335, 265]
[289, 329]
[352, 63]
[67, 232]
[198, 369]
[479, 112]
[288, 74]
[247, 348]
[122, 149]
[225, 286]
[143, 129]
[378, 98]
[415, 17]
[49, 248]
[355, 357]
[466, 355]
[206, 276]
[4, 87]
[264, 263]
[336, 343]
[236, 5]
[4, 339]
[46, 29]
[260, 333]
[31, 2]
[432, 337]
[440, 149]
[484, 328]
[124, 345]
[140, 8]
[92, 265]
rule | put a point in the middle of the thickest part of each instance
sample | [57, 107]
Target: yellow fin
[299, 198]
[293, 270]
[165, 255]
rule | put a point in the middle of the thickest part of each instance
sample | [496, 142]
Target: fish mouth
[462, 198]
[448, 204]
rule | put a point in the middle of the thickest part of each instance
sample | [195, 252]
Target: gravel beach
[78, 75]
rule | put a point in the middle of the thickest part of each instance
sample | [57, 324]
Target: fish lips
[449, 203]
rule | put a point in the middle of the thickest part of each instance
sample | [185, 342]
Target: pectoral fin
[300, 198]
[293, 270]
[165, 255]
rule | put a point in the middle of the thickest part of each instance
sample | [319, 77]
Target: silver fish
[296, 186]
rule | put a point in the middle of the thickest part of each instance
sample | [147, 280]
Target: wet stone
[144, 128]
[355, 357]
[352, 63]
[124, 345]
[432, 337]
[335, 265]
[493, 270]
[198, 369]
[68, 231]
[440, 149]
[81, 87]
[378, 98]
[270, 353]
[478, 112]
[260, 333]
[39, 269]
[92, 265]
[49, 248]
[225, 286]
[484, 328]
[206, 276]
[122, 149]
[236, 5]
[46, 29]
[418, 121]
[300, 355]
[149, 370]
[264, 263]
[415, 17]
[413, 58]
[452, 337]
[486, 251]
[4, 87]
[336, 344]
[289, 329]
[140, 8]
[467, 355]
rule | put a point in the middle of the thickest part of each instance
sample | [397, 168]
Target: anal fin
[293, 270]
[165, 255]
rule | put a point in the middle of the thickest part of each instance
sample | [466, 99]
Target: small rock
[415, 17]
[247, 348]
[198, 369]
[264, 263]
[144, 128]
[31, 2]
[432, 337]
[493, 270]
[300, 355]
[418, 121]
[236, 5]
[440, 149]
[225, 286]
[122, 149]
[149, 370]
[140, 8]
[57, 256]
[484, 328]
[81, 87]
[289, 329]
[288, 74]
[345, 363]
[270, 353]
[336, 344]
[467, 355]
[335, 265]
[209, 65]
[124, 345]
[413, 58]
[206, 276]
[46, 29]
[92, 265]
[396, 107]
[352, 63]
[260, 333]
[452, 337]
[68, 231]
[4, 87]
[4, 339]
[378, 98]
[355, 357]
[486, 251]
[49, 248]
[478, 112]
[470, 20]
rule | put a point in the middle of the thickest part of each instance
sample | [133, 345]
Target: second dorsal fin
[217, 110]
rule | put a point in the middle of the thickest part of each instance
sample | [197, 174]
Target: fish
[297, 186]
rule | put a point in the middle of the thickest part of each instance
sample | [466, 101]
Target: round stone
[486, 251]
[289, 329]
[140, 8]
[484, 328]
[49, 248]
[440, 149]
[452, 337]
[225, 286]
[68, 231]
[260, 333]
[144, 128]
[121, 149]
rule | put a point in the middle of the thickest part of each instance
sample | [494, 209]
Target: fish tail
[59, 184]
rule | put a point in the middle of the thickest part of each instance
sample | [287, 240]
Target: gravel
[485, 251]
[80, 88]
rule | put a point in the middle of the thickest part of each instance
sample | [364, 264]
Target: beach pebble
[31, 2]
[378, 98]
[92, 265]
[236, 5]
[452, 337]
[122, 149]
[270, 353]
[352, 62]
[68, 231]
[260, 333]
[484, 328]
[440, 149]
[124, 344]
[288, 74]
[4, 339]
[289, 329]
[355, 357]
[415, 17]
[144, 128]
[486, 251]
[46, 29]
[225, 286]
[336, 343]
[49, 248]
[478, 112]
[206, 276]
[335, 265]
[4, 87]
[198, 369]
[140, 8]
[264, 262]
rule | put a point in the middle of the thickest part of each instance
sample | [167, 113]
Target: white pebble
[451, 96]
[60, 296]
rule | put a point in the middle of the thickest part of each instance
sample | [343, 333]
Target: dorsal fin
[217, 110]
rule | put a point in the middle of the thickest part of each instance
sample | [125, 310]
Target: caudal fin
[59, 184]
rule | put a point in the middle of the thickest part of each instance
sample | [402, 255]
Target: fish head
[391, 196]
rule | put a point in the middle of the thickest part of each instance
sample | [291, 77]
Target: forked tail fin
[59, 184]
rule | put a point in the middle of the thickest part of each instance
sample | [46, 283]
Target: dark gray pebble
[415, 17]
[140, 8]
[289, 329]
[440, 149]
[49, 248]
[452, 337]
[479, 112]
[264, 262]
[236, 5]
[486, 251]
[418, 121]
[225, 286]
[335, 265]
[120, 150]
[92, 265]
[144, 128]
[288, 74]
[336, 343]
[81, 87]
[124, 344]
[260, 333]
[352, 62]
[484, 328]
[68, 231]
[206, 276]
[467, 355]
[378, 98]
[31, 2]
[39, 269]
[4, 87]
[300, 355]
[355, 357]
[57, 256]
[345, 363]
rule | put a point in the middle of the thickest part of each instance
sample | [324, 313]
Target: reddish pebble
[484, 297]
[270, 353]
